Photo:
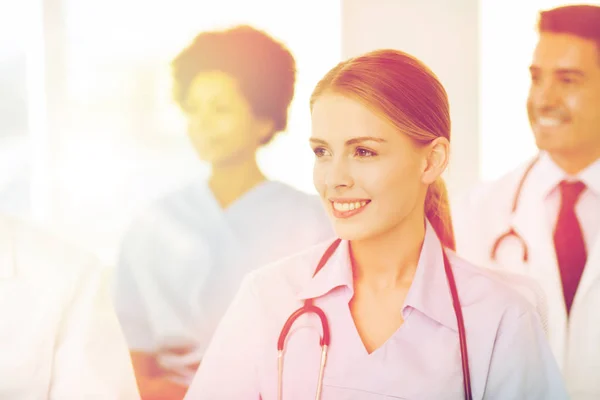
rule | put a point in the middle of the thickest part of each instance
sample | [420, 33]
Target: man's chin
[560, 149]
[548, 140]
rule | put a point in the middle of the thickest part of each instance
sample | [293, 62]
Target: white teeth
[349, 206]
[546, 121]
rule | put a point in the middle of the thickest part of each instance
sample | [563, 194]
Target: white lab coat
[59, 336]
[486, 214]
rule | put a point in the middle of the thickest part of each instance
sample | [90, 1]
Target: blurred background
[89, 134]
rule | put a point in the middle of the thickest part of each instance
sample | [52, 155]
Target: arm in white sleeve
[130, 305]
[91, 358]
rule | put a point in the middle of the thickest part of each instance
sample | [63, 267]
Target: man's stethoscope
[511, 230]
[310, 307]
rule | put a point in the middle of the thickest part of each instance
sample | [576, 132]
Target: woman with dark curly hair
[182, 260]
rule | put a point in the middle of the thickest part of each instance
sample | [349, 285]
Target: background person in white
[182, 260]
[558, 213]
[59, 336]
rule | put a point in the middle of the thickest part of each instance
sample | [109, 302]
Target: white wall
[444, 35]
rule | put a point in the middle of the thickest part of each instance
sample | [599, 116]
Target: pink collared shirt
[509, 356]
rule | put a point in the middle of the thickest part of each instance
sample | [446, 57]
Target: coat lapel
[532, 223]
[591, 273]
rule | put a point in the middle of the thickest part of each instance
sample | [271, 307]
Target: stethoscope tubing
[310, 307]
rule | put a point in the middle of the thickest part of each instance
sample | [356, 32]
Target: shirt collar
[335, 273]
[591, 177]
[429, 292]
[547, 175]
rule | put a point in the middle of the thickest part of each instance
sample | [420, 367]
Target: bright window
[121, 141]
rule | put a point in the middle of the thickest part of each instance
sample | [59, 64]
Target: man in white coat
[543, 219]
[59, 336]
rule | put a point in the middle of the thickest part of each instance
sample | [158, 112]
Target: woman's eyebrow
[349, 142]
[361, 139]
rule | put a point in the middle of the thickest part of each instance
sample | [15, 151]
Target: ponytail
[437, 211]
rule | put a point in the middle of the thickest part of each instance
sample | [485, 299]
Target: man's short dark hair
[579, 20]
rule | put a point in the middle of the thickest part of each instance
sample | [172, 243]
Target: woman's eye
[320, 151]
[360, 152]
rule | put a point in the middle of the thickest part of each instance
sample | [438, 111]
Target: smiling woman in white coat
[59, 336]
[543, 219]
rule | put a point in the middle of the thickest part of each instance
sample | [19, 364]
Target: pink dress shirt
[509, 356]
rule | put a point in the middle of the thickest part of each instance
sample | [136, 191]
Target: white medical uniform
[182, 261]
[485, 215]
[59, 336]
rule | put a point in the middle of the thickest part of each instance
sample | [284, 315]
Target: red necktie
[570, 248]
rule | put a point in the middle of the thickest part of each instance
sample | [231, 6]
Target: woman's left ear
[265, 129]
[437, 154]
